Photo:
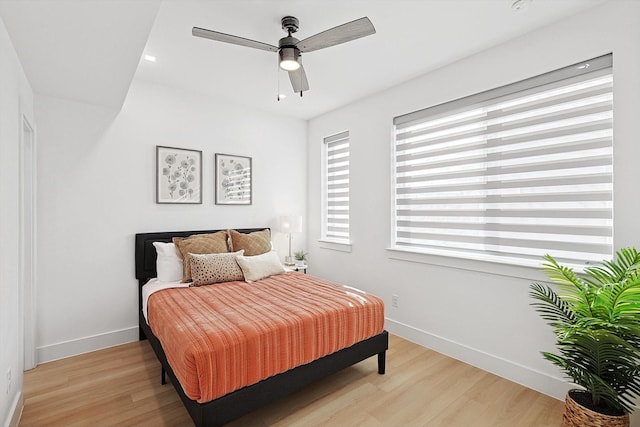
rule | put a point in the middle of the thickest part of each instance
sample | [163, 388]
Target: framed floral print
[233, 179]
[179, 175]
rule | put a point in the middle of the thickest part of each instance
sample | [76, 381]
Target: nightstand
[302, 268]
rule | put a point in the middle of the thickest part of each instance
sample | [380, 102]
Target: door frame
[27, 240]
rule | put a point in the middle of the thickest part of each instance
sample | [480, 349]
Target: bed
[237, 403]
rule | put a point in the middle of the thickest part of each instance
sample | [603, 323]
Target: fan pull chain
[278, 78]
[300, 74]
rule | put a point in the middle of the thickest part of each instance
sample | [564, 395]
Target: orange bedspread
[222, 337]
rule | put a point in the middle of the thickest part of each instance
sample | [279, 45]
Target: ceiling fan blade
[299, 80]
[341, 34]
[228, 38]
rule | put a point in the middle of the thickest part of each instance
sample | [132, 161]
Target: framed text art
[178, 175]
[233, 180]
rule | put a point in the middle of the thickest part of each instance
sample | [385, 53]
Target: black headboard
[146, 252]
[146, 257]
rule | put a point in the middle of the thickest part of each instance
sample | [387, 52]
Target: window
[335, 215]
[511, 174]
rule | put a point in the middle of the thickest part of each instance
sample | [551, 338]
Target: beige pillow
[260, 266]
[199, 244]
[215, 268]
[256, 243]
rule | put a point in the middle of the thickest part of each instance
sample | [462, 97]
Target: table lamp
[290, 224]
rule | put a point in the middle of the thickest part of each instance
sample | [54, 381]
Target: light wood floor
[120, 386]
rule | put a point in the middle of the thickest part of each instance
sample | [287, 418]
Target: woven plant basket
[576, 415]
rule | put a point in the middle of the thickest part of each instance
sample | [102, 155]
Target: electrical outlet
[394, 300]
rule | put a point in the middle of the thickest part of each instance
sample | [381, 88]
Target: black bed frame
[240, 402]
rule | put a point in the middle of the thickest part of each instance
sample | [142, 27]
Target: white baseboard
[64, 349]
[536, 380]
[15, 411]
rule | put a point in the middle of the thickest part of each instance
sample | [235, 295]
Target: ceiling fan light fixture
[289, 58]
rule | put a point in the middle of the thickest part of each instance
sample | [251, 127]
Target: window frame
[402, 252]
[327, 241]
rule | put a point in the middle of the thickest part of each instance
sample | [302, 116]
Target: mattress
[220, 338]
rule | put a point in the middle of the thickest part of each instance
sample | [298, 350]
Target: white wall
[96, 189]
[482, 317]
[16, 99]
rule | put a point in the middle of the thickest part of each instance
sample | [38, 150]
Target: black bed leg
[382, 361]
[163, 379]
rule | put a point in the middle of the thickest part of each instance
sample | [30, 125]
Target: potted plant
[596, 319]
[301, 258]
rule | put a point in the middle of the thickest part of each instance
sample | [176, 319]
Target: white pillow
[168, 265]
[260, 266]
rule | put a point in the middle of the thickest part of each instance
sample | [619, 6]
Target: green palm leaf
[561, 274]
[596, 319]
[627, 262]
[551, 307]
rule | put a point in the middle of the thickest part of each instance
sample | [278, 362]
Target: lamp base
[288, 260]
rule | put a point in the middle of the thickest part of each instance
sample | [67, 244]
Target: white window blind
[336, 188]
[511, 174]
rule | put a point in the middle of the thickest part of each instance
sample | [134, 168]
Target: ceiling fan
[290, 48]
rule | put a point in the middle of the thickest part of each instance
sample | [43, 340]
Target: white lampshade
[291, 224]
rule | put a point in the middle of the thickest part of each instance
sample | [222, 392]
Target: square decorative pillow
[256, 243]
[199, 244]
[215, 268]
[168, 264]
[260, 266]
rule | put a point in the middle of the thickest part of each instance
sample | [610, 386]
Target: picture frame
[178, 175]
[233, 180]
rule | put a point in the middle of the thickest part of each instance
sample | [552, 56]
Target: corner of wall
[15, 411]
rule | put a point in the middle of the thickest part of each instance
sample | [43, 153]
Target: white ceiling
[86, 50]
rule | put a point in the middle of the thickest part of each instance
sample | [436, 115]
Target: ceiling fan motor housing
[288, 42]
[290, 24]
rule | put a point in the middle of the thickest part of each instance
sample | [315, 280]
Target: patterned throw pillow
[215, 268]
[199, 244]
[256, 243]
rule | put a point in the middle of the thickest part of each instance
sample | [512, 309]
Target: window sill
[489, 267]
[335, 246]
